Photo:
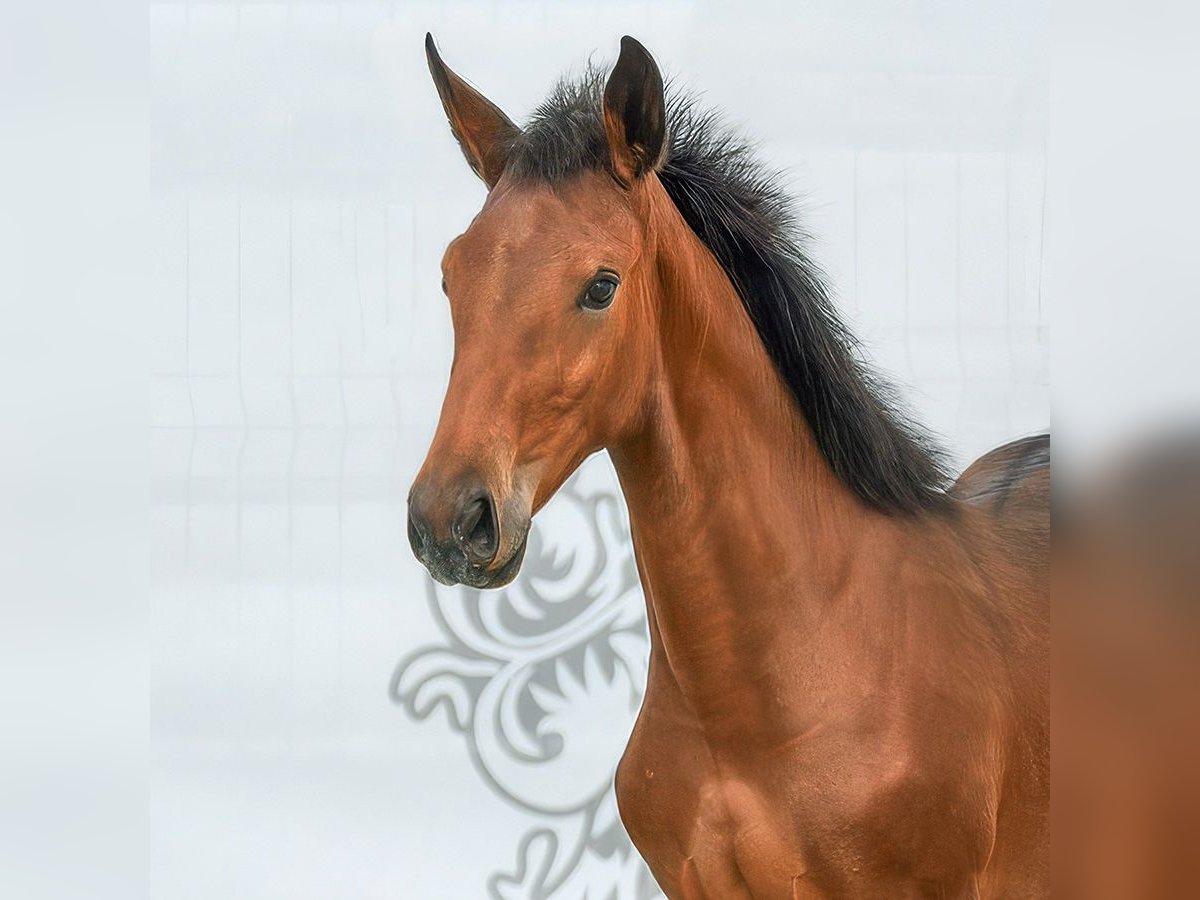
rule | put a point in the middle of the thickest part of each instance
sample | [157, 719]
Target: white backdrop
[324, 725]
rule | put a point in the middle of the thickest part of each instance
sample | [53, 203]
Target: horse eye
[600, 291]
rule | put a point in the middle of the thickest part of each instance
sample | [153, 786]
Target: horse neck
[742, 531]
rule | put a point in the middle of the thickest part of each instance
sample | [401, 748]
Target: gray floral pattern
[543, 680]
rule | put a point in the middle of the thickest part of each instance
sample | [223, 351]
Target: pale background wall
[304, 185]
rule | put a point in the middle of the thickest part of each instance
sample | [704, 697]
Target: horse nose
[476, 530]
[419, 530]
[439, 527]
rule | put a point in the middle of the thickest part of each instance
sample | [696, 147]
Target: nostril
[476, 530]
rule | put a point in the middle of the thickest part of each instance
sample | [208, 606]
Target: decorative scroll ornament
[544, 679]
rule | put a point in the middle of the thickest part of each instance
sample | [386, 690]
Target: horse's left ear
[484, 133]
[635, 112]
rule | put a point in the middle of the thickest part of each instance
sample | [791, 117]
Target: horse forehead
[515, 221]
[527, 223]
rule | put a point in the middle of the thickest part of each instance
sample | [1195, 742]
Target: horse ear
[484, 133]
[635, 112]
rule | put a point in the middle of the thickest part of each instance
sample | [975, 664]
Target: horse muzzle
[459, 536]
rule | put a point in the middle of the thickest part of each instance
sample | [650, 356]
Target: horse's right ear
[484, 133]
[635, 112]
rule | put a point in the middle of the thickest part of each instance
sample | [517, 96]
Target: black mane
[738, 208]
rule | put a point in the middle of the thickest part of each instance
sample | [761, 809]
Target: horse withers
[847, 690]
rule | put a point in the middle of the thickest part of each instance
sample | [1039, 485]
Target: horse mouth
[457, 570]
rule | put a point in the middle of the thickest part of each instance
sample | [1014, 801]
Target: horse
[847, 684]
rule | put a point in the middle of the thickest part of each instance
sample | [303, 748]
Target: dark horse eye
[600, 291]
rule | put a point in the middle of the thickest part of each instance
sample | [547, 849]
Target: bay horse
[847, 689]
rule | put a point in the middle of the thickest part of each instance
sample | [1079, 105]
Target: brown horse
[847, 692]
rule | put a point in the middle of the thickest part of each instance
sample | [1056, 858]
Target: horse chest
[703, 833]
[707, 833]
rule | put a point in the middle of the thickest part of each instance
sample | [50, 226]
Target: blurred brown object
[1126, 677]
